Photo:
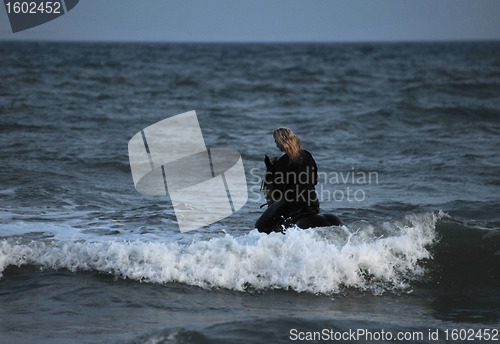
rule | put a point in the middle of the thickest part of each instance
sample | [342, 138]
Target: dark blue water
[85, 258]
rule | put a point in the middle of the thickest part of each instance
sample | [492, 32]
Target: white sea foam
[374, 257]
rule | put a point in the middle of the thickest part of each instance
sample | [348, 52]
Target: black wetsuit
[293, 192]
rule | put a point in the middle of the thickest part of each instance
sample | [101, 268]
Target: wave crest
[375, 257]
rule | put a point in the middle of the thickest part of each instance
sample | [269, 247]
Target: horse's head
[268, 181]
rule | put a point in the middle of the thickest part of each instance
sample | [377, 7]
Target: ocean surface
[406, 137]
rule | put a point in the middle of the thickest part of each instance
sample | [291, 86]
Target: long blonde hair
[290, 142]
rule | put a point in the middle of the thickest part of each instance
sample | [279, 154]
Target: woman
[293, 182]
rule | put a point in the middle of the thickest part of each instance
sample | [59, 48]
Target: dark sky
[268, 21]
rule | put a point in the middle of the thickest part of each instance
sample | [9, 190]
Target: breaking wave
[376, 257]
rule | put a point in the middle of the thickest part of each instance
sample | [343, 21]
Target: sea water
[406, 138]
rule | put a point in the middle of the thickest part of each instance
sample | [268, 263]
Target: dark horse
[303, 218]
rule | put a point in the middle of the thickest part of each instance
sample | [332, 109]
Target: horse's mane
[268, 180]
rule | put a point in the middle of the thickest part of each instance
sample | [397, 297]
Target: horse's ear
[267, 161]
